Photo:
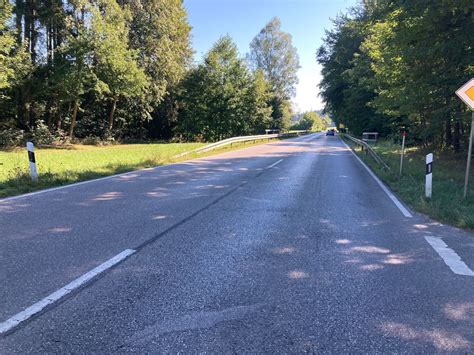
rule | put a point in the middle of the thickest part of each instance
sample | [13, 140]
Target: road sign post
[429, 176]
[466, 93]
[469, 156]
[31, 157]
[403, 153]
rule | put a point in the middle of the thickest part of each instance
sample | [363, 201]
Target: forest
[393, 66]
[105, 71]
[124, 70]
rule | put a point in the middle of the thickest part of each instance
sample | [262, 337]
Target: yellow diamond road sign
[466, 93]
[470, 92]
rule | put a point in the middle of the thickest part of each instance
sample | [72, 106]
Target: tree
[310, 121]
[117, 69]
[421, 53]
[260, 113]
[7, 41]
[221, 98]
[160, 33]
[72, 75]
[347, 84]
[14, 63]
[395, 65]
[80, 61]
[272, 51]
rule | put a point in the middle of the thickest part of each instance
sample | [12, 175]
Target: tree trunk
[34, 32]
[49, 43]
[73, 120]
[112, 111]
[449, 133]
[20, 108]
[457, 136]
[49, 113]
[57, 116]
[27, 25]
[19, 9]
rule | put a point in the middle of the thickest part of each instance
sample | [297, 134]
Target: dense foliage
[311, 121]
[395, 65]
[115, 69]
[222, 98]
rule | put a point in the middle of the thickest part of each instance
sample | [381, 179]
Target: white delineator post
[429, 175]
[403, 152]
[31, 158]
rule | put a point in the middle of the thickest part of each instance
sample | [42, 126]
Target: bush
[109, 136]
[41, 134]
[91, 140]
[61, 137]
[11, 137]
[88, 126]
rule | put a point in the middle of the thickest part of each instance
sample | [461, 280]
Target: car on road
[330, 132]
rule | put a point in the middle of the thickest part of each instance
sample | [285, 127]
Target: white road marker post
[466, 93]
[429, 175]
[403, 153]
[31, 157]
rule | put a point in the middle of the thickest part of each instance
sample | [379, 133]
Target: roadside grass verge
[447, 204]
[70, 164]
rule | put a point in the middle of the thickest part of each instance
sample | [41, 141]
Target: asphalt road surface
[291, 246]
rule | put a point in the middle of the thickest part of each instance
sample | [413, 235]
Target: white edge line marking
[55, 296]
[397, 203]
[275, 164]
[77, 184]
[449, 256]
[5, 199]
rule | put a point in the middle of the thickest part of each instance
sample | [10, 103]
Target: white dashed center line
[275, 164]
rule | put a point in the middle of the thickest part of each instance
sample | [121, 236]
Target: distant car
[330, 132]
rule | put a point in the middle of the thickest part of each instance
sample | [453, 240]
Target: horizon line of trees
[311, 121]
[390, 66]
[123, 69]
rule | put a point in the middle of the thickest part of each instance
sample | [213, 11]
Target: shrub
[91, 140]
[11, 137]
[109, 136]
[41, 134]
[61, 137]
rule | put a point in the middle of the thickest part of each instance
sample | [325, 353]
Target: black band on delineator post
[31, 157]
[429, 168]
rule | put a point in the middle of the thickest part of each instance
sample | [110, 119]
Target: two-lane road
[284, 247]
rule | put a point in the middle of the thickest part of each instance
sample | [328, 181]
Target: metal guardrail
[368, 150]
[241, 139]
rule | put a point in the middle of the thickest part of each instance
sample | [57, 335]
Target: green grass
[69, 164]
[447, 204]
[59, 166]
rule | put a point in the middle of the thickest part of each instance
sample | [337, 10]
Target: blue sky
[305, 20]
